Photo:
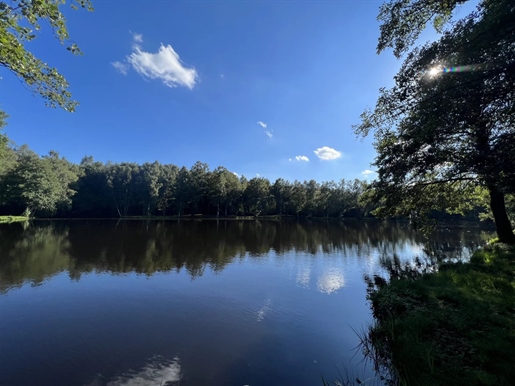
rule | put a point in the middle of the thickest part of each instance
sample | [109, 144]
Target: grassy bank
[452, 327]
[7, 219]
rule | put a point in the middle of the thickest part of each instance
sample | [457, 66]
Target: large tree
[39, 183]
[448, 124]
[19, 21]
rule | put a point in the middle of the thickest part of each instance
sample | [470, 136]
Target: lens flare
[437, 70]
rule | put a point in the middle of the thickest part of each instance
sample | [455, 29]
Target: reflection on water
[158, 371]
[330, 281]
[240, 303]
[79, 247]
[263, 310]
[303, 277]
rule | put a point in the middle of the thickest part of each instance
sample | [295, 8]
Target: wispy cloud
[236, 174]
[327, 153]
[367, 172]
[257, 174]
[262, 124]
[137, 38]
[302, 158]
[269, 134]
[122, 68]
[164, 65]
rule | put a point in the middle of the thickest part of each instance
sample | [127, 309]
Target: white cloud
[367, 172]
[289, 159]
[122, 68]
[257, 174]
[327, 153]
[269, 134]
[164, 65]
[236, 174]
[262, 124]
[302, 158]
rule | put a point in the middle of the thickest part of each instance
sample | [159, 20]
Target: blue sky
[180, 82]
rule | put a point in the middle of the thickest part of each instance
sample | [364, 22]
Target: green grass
[452, 327]
[8, 219]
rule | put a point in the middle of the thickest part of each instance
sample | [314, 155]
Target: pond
[91, 302]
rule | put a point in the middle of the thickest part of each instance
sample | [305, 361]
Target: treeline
[52, 186]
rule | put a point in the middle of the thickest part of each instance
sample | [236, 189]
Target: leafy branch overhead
[404, 20]
[19, 21]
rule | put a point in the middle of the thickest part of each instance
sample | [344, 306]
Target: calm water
[193, 303]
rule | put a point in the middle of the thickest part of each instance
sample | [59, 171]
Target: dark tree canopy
[448, 124]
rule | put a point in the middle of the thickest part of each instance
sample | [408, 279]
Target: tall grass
[454, 326]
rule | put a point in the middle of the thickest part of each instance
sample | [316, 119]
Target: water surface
[196, 302]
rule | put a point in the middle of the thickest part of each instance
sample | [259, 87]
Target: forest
[51, 186]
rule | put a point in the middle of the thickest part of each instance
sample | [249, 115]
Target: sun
[434, 71]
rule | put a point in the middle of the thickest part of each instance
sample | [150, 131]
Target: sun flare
[434, 71]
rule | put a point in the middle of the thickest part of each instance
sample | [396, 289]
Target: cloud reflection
[330, 281]
[159, 371]
[264, 310]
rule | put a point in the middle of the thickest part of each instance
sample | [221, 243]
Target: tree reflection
[44, 249]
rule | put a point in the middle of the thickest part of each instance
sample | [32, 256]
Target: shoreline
[453, 326]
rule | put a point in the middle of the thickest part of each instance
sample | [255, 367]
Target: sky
[264, 88]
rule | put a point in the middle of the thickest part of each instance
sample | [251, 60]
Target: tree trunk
[502, 223]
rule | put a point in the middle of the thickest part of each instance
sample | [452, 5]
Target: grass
[9, 219]
[455, 326]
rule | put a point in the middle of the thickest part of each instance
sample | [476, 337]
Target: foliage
[440, 134]
[455, 326]
[19, 19]
[38, 184]
[404, 20]
[52, 186]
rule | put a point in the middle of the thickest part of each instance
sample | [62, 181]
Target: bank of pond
[451, 326]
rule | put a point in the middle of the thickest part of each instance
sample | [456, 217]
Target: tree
[298, 197]
[447, 125]
[327, 198]
[18, 20]
[167, 180]
[94, 197]
[121, 179]
[258, 197]
[223, 189]
[199, 173]
[182, 191]
[312, 196]
[65, 174]
[281, 190]
[39, 184]
[404, 20]
[149, 184]
[7, 157]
